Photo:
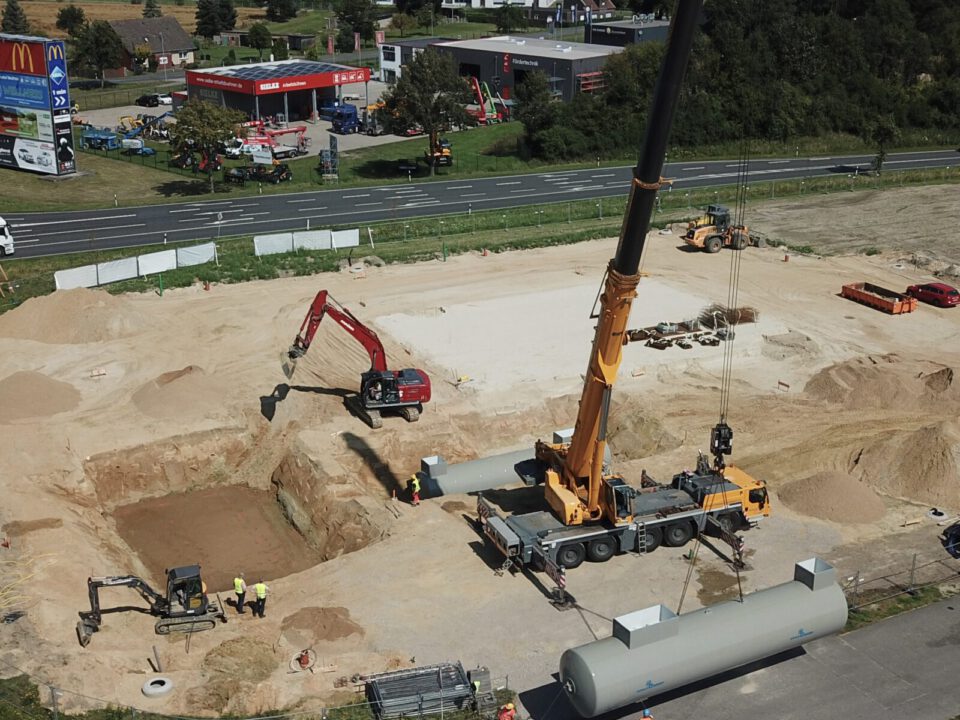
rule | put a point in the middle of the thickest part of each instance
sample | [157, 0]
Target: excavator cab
[719, 217]
[186, 592]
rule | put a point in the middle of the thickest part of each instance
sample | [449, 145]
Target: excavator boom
[574, 477]
[323, 305]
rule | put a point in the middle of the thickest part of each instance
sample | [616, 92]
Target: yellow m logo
[20, 57]
[54, 52]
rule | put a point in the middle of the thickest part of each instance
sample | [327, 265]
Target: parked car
[164, 99]
[936, 294]
[151, 100]
[270, 173]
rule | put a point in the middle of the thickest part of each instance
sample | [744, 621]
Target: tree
[883, 133]
[151, 9]
[280, 49]
[202, 126]
[281, 10]
[215, 16]
[228, 14]
[344, 42]
[96, 47]
[14, 19]
[430, 94]
[208, 18]
[70, 19]
[360, 15]
[402, 23]
[509, 17]
[536, 109]
[260, 38]
[425, 16]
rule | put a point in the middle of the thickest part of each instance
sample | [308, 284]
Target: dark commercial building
[626, 32]
[293, 89]
[503, 62]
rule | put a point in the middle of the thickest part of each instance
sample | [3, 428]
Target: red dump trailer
[880, 298]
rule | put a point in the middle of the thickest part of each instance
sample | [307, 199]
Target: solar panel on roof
[272, 72]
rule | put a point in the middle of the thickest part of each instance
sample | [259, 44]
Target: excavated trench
[232, 502]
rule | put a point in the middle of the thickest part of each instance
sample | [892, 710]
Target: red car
[935, 294]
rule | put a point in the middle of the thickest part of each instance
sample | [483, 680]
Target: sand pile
[335, 360]
[189, 391]
[885, 382]
[634, 436]
[923, 465]
[316, 624]
[31, 394]
[835, 496]
[72, 317]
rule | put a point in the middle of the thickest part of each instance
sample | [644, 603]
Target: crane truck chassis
[668, 515]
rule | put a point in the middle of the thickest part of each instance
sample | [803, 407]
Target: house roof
[535, 47]
[162, 34]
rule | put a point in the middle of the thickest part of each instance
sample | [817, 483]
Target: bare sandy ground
[169, 394]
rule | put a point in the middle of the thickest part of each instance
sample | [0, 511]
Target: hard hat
[509, 706]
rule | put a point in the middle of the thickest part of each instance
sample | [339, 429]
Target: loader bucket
[288, 362]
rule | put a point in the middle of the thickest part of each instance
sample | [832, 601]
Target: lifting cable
[731, 311]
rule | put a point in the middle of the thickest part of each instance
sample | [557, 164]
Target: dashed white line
[472, 194]
[302, 200]
[367, 204]
[348, 197]
[459, 187]
[515, 182]
[777, 162]
[311, 209]
[700, 167]
[62, 222]
[604, 175]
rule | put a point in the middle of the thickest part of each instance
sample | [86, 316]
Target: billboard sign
[35, 126]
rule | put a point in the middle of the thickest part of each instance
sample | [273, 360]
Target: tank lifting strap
[646, 185]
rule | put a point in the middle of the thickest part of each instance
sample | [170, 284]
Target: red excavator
[381, 390]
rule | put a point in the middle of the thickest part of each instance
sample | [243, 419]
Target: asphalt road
[38, 234]
[902, 667]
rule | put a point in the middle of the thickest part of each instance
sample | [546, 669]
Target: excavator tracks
[187, 624]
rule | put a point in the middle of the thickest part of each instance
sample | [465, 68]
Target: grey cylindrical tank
[653, 651]
[437, 478]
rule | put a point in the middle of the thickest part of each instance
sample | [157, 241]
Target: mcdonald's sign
[54, 52]
[23, 57]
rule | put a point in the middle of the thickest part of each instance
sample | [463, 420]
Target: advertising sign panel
[35, 126]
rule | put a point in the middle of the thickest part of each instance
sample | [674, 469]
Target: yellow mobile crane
[595, 513]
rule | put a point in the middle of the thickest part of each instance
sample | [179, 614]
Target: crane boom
[323, 305]
[575, 473]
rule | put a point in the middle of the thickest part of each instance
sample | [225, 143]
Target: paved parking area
[318, 133]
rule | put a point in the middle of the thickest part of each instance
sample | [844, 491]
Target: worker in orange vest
[507, 712]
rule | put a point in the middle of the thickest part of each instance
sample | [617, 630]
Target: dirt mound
[884, 382]
[791, 344]
[835, 496]
[19, 528]
[233, 666]
[634, 436]
[72, 317]
[29, 394]
[189, 391]
[322, 624]
[923, 465]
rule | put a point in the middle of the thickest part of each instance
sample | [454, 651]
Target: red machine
[400, 391]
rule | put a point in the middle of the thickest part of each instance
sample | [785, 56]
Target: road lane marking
[604, 175]
[514, 182]
[62, 222]
[348, 197]
[459, 187]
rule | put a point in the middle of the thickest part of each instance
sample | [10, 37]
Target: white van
[6, 239]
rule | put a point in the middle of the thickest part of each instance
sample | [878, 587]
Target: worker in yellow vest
[415, 489]
[260, 589]
[240, 588]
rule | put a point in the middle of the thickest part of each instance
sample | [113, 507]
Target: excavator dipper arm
[323, 305]
[574, 475]
[90, 621]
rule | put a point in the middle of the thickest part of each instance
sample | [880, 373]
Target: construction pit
[145, 432]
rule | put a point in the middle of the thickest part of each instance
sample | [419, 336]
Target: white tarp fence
[196, 254]
[312, 240]
[272, 244]
[157, 262]
[346, 238]
[116, 270]
[129, 268]
[78, 277]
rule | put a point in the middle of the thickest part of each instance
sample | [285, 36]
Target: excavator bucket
[289, 364]
[84, 632]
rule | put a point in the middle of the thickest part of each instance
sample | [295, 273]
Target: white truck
[6, 239]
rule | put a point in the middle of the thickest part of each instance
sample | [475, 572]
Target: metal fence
[920, 572]
[29, 696]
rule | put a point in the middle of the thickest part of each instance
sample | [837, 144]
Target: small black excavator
[185, 608]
